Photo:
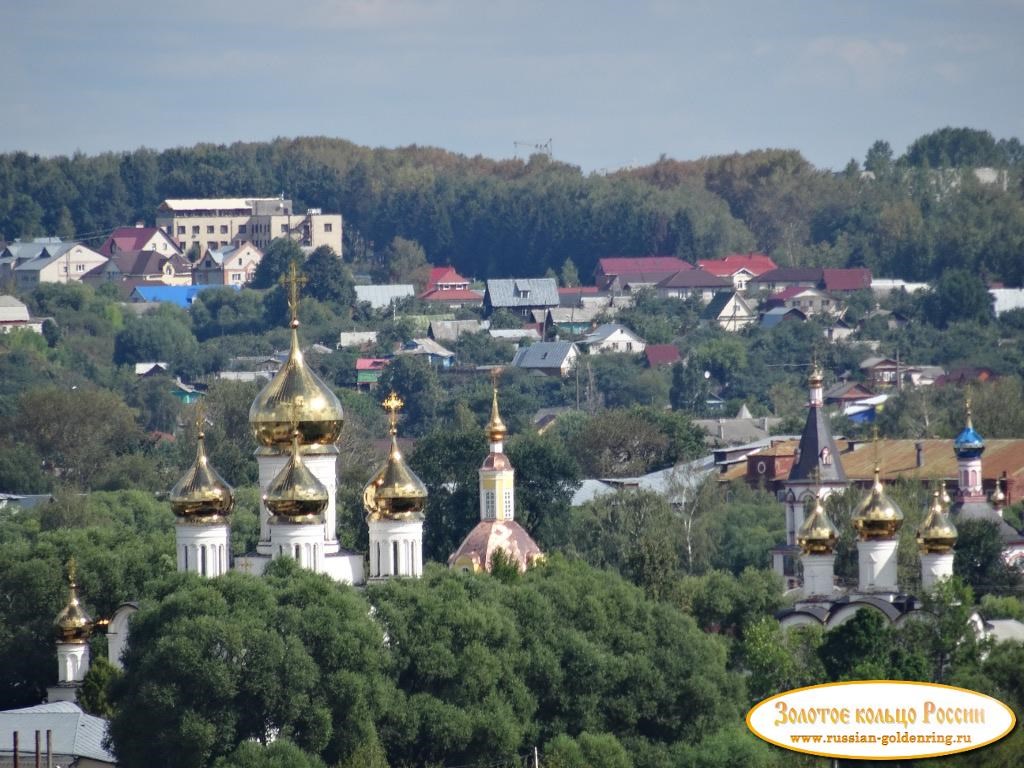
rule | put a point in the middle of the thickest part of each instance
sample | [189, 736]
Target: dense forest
[911, 216]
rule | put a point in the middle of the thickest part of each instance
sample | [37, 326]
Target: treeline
[911, 216]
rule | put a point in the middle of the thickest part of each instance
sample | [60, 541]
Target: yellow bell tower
[497, 477]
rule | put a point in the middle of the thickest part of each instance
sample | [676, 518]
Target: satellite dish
[707, 374]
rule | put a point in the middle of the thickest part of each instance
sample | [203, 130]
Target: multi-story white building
[219, 222]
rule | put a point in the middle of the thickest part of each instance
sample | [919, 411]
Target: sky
[610, 84]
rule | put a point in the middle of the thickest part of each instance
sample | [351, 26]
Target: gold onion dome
[295, 495]
[202, 494]
[877, 516]
[817, 534]
[496, 429]
[394, 492]
[73, 624]
[296, 397]
[816, 378]
[998, 498]
[937, 534]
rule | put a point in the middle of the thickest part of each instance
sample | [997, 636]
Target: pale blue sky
[611, 83]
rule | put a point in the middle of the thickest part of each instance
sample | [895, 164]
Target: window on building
[79, 267]
[328, 227]
[236, 277]
[195, 230]
[209, 229]
[284, 228]
[508, 505]
[223, 229]
[489, 511]
[241, 229]
[181, 229]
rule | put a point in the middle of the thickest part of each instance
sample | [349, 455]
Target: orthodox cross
[393, 404]
[292, 282]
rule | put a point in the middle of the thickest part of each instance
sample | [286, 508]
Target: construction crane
[535, 147]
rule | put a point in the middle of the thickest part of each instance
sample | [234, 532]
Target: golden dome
[998, 498]
[295, 494]
[817, 378]
[937, 534]
[73, 624]
[817, 535]
[496, 429]
[394, 492]
[877, 516]
[201, 494]
[296, 396]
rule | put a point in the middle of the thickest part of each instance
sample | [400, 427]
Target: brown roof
[477, 550]
[899, 459]
[496, 461]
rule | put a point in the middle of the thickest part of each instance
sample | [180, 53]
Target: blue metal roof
[180, 295]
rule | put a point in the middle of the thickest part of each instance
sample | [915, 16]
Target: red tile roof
[854, 279]
[128, 239]
[643, 264]
[452, 294]
[755, 263]
[444, 275]
[661, 354]
[371, 363]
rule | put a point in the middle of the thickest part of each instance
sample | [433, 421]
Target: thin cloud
[868, 61]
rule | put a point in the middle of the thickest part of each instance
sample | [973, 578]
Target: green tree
[329, 280]
[416, 382]
[404, 261]
[275, 262]
[77, 430]
[161, 336]
[93, 696]
[690, 389]
[978, 558]
[570, 277]
[957, 296]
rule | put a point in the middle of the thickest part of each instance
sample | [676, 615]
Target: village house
[520, 295]
[381, 296]
[229, 265]
[612, 337]
[138, 238]
[693, 282]
[810, 301]
[129, 269]
[553, 358]
[729, 311]
[14, 315]
[56, 263]
[739, 267]
[620, 274]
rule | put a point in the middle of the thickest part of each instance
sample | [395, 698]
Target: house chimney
[139, 224]
[919, 447]
[721, 429]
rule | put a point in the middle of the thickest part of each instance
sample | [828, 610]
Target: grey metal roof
[74, 732]
[523, 292]
[718, 303]
[816, 437]
[603, 332]
[546, 354]
[451, 330]
[774, 316]
[380, 296]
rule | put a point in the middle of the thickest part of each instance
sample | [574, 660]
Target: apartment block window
[241, 229]
[284, 228]
[209, 229]
[223, 229]
[328, 227]
[195, 230]
[181, 229]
